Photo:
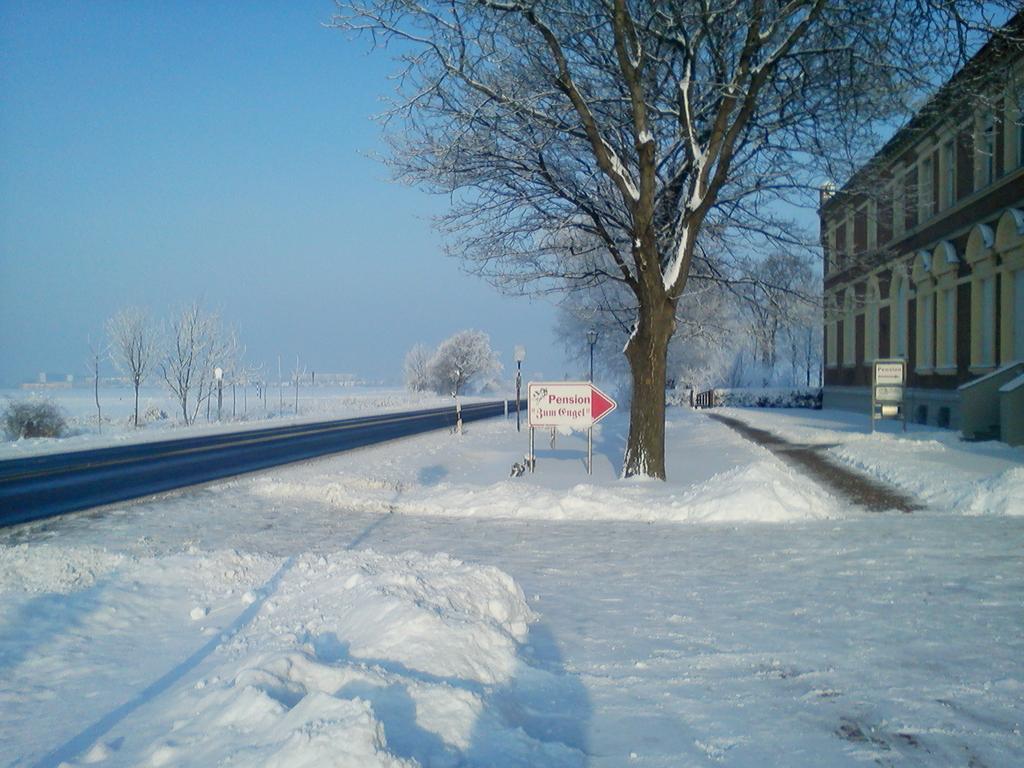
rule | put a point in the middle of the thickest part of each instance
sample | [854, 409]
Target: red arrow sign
[600, 404]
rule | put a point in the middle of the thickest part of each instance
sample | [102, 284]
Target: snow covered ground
[160, 418]
[409, 604]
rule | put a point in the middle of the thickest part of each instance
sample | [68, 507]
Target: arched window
[1009, 245]
[924, 283]
[944, 267]
[981, 256]
[899, 294]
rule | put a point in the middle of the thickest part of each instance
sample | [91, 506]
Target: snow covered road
[285, 621]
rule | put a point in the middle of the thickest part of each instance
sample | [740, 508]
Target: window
[926, 357]
[987, 150]
[948, 309]
[988, 322]
[1018, 105]
[830, 247]
[848, 242]
[948, 163]
[926, 189]
[871, 322]
[1018, 315]
[898, 313]
[872, 224]
[897, 205]
[849, 330]
[831, 335]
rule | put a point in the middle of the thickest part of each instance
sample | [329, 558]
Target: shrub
[33, 418]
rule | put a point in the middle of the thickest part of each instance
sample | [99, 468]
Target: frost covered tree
[416, 369]
[133, 347]
[197, 344]
[644, 123]
[461, 361]
[776, 300]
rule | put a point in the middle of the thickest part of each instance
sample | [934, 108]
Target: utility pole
[520, 355]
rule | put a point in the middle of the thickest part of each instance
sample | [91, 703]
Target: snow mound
[764, 491]
[999, 495]
[361, 659]
[51, 568]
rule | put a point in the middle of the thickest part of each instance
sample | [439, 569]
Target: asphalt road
[43, 486]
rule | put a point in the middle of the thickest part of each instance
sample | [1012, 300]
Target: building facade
[924, 254]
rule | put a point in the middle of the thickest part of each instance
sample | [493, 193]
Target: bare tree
[97, 351]
[196, 345]
[644, 123]
[133, 347]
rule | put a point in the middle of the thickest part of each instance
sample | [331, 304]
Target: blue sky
[152, 154]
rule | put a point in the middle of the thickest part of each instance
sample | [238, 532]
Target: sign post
[576, 405]
[888, 381]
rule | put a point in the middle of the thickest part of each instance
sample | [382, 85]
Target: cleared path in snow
[853, 486]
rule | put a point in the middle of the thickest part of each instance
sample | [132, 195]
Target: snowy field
[160, 417]
[409, 604]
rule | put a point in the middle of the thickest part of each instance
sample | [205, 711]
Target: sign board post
[572, 404]
[888, 383]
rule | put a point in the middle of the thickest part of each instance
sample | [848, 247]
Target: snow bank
[49, 568]
[931, 464]
[762, 491]
[345, 659]
[359, 659]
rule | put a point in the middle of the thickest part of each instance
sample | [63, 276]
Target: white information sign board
[889, 372]
[889, 378]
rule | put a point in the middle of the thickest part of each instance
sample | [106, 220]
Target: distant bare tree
[97, 351]
[196, 344]
[644, 123]
[133, 347]
[415, 368]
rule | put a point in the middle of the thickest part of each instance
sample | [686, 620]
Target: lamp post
[520, 355]
[218, 374]
[592, 339]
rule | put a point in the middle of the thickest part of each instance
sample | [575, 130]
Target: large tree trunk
[647, 351]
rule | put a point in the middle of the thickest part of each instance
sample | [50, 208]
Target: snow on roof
[1010, 386]
[1000, 370]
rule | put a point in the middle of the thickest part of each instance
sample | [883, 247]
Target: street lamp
[218, 374]
[592, 338]
[520, 355]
